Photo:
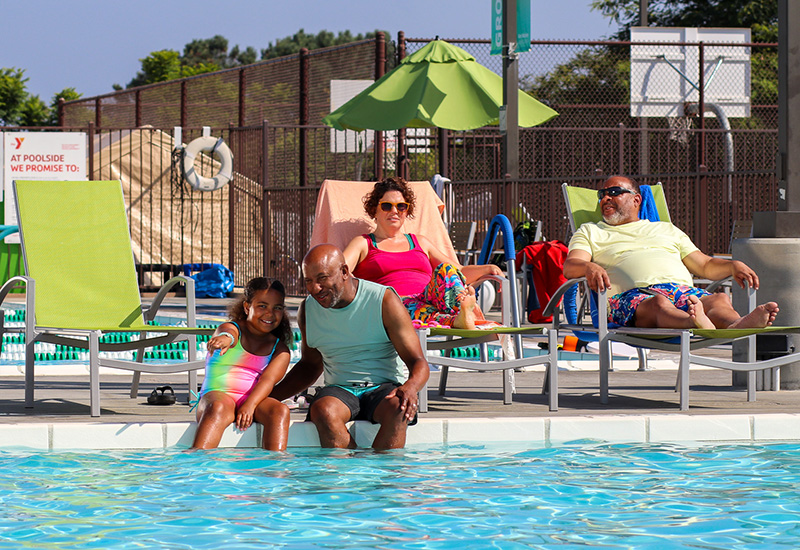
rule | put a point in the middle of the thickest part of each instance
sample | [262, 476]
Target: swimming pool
[498, 496]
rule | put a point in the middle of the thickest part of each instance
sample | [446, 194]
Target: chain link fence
[270, 115]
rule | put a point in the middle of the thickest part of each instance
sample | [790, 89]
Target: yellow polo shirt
[636, 254]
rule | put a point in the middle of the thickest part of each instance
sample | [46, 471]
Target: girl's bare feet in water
[466, 309]
[760, 317]
[697, 313]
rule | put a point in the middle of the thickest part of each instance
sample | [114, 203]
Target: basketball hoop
[680, 126]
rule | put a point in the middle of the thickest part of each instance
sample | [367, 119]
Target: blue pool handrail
[6, 230]
[501, 224]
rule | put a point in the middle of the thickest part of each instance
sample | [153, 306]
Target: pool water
[499, 496]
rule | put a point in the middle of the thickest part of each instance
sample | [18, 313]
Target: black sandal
[160, 397]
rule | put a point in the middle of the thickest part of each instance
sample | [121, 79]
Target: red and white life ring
[216, 148]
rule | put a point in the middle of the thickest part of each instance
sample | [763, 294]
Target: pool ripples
[573, 496]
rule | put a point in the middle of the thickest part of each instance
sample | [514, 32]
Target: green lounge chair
[583, 207]
[81, 282]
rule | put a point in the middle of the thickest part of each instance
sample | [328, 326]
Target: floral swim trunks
[622, 307]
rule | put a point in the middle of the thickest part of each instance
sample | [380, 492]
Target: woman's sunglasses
[387, 206]
[613, 192]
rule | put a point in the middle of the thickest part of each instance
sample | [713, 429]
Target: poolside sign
[43, 156]
[523, 26]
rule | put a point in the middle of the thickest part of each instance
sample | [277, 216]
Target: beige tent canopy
[170, 222]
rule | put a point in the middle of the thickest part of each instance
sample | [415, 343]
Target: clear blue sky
[91, 44]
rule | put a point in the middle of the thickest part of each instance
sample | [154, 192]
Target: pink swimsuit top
[235, 373]
[407, 272]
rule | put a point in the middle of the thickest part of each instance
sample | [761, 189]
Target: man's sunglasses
[387, 206]
[613, 192]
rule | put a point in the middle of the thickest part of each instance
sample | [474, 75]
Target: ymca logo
[19, 142]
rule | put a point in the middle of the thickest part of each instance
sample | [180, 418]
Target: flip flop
[159, 396]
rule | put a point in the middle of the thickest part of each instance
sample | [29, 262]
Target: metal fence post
[98, 108]
[264, 185]
[303, 106]
[701, 212]
[303, 143]
[183, 104]
[61, 111]
[91, 150]
[232, 207]
[444, 152]
[380, 69]
[401, 154]
[701, 104]
[242, 96]
[137, 107]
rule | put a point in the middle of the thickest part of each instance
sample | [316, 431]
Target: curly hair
[373, 198]
[237, 313]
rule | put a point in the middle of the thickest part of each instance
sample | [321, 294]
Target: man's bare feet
[466, 309]
[762, 316]
[697, 313]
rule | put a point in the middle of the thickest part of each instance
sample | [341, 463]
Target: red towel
[546, 259]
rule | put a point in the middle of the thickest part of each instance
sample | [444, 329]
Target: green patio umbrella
[440, 86]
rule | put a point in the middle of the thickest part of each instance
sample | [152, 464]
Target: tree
[761, 16]
[324, 39]
[199, 56]
[601, 73]
[34, 112]
[12, 95]
[214, 51]
[19, 108]
[67, 94]
[212, 54]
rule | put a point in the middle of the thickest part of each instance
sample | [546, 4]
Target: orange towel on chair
[340, 216]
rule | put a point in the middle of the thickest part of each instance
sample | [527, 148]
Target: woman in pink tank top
[435, 289]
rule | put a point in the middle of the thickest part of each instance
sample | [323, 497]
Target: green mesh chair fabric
[584, 207]
[77, 248]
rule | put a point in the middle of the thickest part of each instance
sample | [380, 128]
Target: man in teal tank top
[358, 335]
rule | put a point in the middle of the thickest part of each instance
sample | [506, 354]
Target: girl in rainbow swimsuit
[247, 356]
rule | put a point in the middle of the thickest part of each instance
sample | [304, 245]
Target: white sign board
[349, 141]
[45, 156]
[665, 76]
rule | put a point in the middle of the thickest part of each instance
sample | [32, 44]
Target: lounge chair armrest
[717, 284]
[12, 283]
[552, 306]
[150, 312]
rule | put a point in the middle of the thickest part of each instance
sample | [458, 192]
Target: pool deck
[643, 406]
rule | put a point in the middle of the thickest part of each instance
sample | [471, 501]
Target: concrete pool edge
[662, 428]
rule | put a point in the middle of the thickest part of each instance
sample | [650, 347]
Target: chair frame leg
[683, 371]
[552, 368]
[94, 373]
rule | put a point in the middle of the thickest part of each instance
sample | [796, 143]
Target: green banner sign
[523, 26]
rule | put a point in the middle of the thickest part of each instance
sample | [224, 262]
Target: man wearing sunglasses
[647, 269]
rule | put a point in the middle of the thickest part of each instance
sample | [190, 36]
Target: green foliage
[67, 94]
[214, 52]
[199, 56]
[595, 72]
[19, 108]
[761, 16]
[34, 112]
[602, 74]
[293, 44]
[12, 95]
[324, 39]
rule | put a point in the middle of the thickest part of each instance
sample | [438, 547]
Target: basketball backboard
[665, 75]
